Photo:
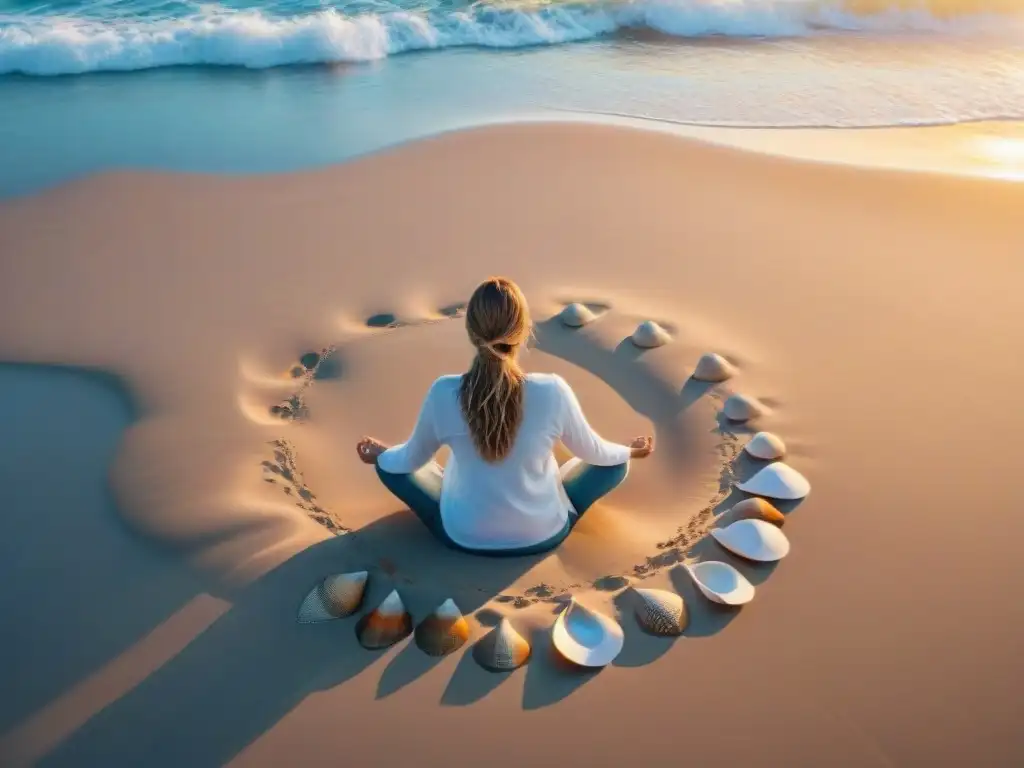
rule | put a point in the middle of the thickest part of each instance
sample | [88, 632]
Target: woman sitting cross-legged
[502, 492]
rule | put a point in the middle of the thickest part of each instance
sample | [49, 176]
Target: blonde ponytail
[491, 392]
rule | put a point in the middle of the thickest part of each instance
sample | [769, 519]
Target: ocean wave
[216, 36]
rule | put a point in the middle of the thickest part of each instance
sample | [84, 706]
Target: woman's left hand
[369, 449]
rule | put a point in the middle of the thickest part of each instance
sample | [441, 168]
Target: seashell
[502, 648]
[721, 583]
[766, 446]
[742, 408]
[757, 507]
[661, 612]
[777, 481]
[335, 597]
[386, 624]
[754, 540]
[586, 637]
[713, 368]
[576, 315]
[443, 631]
[649, 335]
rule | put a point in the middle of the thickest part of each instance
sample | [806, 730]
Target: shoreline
[982, 149]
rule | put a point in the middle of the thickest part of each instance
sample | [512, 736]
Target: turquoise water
[249, 87]
[65, 37]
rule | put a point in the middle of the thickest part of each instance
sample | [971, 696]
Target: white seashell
[443, 631]
[742, 408]
[576, 315]
[721, 583]
[766, 446]
[713, 368]
[754, 540]
[386, 624]
[661, 612]
[335, 597]
[777, 481]
[649, 335]
[502, 648]
[586, 637]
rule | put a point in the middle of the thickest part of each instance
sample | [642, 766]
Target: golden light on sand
[999, 156]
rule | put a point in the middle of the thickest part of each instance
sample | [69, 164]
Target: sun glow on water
[999, 156]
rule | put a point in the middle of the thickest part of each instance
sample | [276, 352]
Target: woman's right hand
[369, 449]
[641, 447]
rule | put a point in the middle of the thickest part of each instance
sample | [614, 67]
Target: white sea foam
[49, 45]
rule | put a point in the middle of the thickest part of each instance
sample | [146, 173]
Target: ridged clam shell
[721, 583]
[766, 446]
[386, 624]
[335, 597]
[777, 481]
[713, 368]
[576, 315]
[661, 612]
[443, 631]
[754, 540]
[758, 508]
[502, 648]
[742, 408]
[649, 335]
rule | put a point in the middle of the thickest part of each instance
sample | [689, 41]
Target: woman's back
[519, 500]
[502, 491]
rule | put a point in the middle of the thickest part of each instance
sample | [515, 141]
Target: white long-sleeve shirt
[519, 501]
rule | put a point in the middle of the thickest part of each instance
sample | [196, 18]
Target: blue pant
[421, 492]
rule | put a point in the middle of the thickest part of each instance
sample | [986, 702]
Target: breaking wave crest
[217, 36]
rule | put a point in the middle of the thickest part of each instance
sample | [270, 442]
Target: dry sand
[871, 310]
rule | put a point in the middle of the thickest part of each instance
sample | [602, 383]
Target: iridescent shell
[661, 612]
[443, 631]
[502, 648]
[386, 624]
[335, 597]
[586, 637]
[721, 583]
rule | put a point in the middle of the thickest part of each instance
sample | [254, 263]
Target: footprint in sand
[311, 366]
[283, 471]
[644, 388]
[388, 320]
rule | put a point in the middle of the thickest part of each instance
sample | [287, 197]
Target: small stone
[742, 408]
[713, 368]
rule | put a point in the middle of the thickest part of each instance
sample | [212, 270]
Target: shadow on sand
[77, 589]
[644, 392]
[255, 664]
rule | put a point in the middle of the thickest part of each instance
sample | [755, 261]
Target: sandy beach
[173, 486]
